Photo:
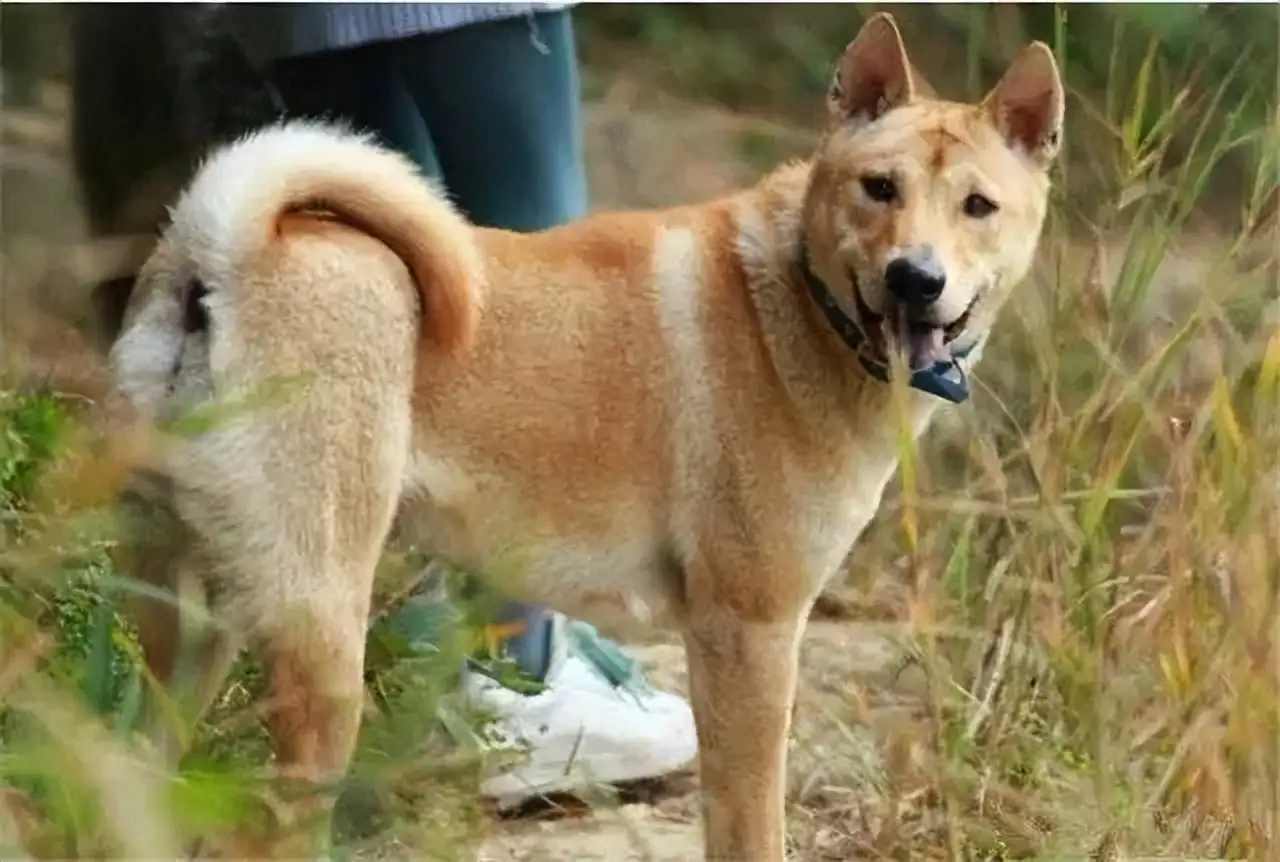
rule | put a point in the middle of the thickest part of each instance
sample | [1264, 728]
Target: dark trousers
[491, 110]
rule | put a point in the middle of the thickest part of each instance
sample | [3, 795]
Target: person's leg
[502, 102]
[359, 86]
[364, 86]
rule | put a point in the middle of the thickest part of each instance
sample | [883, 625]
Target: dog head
[922, 214]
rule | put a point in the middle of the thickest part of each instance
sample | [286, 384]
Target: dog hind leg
[315, 655]
[187, 653]
[312, 645]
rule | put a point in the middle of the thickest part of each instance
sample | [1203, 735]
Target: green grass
[71, 678]
[1091, 547]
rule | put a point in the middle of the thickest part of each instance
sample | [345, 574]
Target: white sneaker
[582, 729]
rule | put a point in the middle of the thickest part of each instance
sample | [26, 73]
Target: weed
[1087, 553]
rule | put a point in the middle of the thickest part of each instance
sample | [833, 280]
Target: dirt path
[839, 662]
[634, 832]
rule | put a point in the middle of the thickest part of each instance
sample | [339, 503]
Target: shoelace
[605, 658]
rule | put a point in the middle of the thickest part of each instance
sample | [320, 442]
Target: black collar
[947, 380]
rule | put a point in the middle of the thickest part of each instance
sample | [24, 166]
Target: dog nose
[916, 279]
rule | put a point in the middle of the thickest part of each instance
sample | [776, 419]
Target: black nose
[916, 279]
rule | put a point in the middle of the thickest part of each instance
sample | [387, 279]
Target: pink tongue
[925, 347]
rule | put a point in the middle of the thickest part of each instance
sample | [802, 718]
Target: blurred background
[1059, 638]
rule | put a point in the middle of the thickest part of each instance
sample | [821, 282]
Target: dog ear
[874, 75]
[1027, 105]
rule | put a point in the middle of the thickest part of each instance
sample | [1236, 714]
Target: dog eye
[977, 206]
[879, 188]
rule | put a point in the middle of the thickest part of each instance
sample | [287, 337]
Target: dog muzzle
[945, 379]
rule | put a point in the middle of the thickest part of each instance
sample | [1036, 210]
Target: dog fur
[638, 416]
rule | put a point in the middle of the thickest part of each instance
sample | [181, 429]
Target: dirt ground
[845, 672]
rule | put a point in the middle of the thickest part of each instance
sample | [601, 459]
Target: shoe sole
[513, 789]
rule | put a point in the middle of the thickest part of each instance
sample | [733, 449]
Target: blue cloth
[273, 31]
[491, 109]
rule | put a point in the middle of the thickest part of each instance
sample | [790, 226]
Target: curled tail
[234, 204]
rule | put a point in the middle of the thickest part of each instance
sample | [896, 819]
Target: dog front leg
[742, 676]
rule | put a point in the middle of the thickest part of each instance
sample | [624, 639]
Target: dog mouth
[922, 343]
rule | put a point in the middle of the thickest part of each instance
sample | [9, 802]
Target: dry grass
[1085, 557]
[1089, 553]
